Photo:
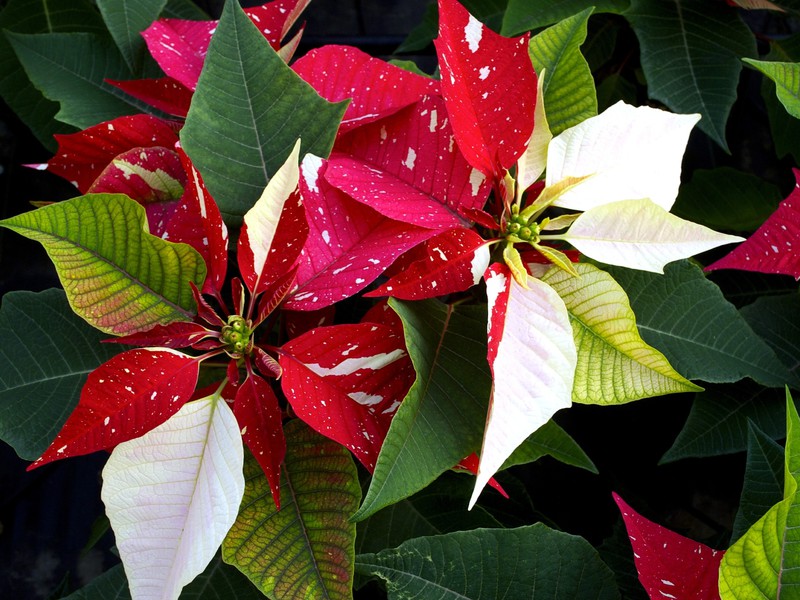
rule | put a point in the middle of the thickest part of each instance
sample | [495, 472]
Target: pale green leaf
[787, 82]
[691, 52]
[71, 68]
[639, 234]
[702, 335]
[524, 15]
[441, 420]
[247, 112]
[126, 19]
[486, 564]
[568, 87]
[46, 352]
[305, 549]
[614, 364]
[172, 494]
[765, 561]
[117, 276]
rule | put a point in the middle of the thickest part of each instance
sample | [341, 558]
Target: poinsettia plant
[305, 292]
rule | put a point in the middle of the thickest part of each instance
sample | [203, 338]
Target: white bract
[172, 495]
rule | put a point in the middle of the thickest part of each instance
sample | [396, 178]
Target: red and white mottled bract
[124, 398]
[670, 565]
[151, 175]
[82, 156]
[409, 168]
[259, 417]
[489, 86]
[775, 246]
[348, 246]
[179, 334]
[198, 222]
[346, 382]
[455, 261]
[377, 88]
[179, 46]
[166, 94]
[282, 250]
[532, 355]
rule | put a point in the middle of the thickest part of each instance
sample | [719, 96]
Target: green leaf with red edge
[117, 276]
[441, 419]
[259, 417]
[275, 228]
[198, 222]
[408, 167]
[82, 156]
[307, 549]
[349, 244]
[775, 246]
[376, 88]
[248, 111]
[670, 565]
[489, 86]
[346, 382]
[124, 398]
[455, 261]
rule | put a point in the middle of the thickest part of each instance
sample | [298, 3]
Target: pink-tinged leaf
[166, 94]
[198, 222]
[455, 261]
[408, 168]
[175, 335]
[346, 382]
[377, 89]
[470, 464]
[489, 86]
[274, 229]
[349, 244]
[775, 246]
[179, 46]
[259, 417]
[266, 364]
[124, 398]
[205, 310]
[151, 175]
[274, 295]
[533, 358]
[82, 156]
[481, 217]
[670, 565]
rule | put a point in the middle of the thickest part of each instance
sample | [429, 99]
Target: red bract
[670, 565]
[775, 246]
[165, 94]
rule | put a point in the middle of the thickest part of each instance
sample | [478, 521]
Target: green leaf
[46, 351]
[702, 335]
[551, 440]
[218, 582]
[442, 418]
[126, 19]
[691, 53]
[569, 94]
[786, 76]
[40, 16]
[248, 111]
[305, 549]
[718, 421]
[614, 364]
[774, 318]
[71, 68]
[524, 15]
[439, 508]
[727, 199]
[763, 563]
[117, 276]
[493, 563]
[763, 480]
